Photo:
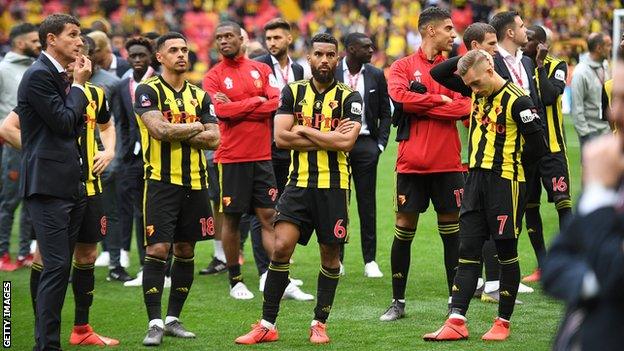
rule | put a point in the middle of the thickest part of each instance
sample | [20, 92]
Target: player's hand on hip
[101, 160]
[603, 161]
[82, 70]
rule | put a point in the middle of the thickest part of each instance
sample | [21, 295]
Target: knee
[470, 250]
[85, 253]
[406, 220]
[160, 250]
[183, 250]
[281, 250]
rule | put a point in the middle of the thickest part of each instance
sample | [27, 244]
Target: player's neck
[321, 87]
[510, 47]
[594, 56]
[282, 60]
[353, 64]
[498, 84]
[138, 75]
[430, 50]
[175, 80]
[59, 58]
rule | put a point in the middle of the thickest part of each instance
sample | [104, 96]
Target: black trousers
[280, 167]
[56, 223]
[364, 158]
[130, 187]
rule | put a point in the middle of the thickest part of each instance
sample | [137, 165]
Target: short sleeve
[207, 112]
[287, 102]
[146, 99]
[526, 116]
[352, 108]
[104, 114]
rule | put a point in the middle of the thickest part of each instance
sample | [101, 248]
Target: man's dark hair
[503, 21]
[19, 30]
[89, 43]
[237, 28]
[139, 41]
[324, 38]
[539, 33]
[352, 38]
[168, 36]
[278, 23]
[432, 14]
[476, 32]
[151, 35]
[54, 24]
[594, 40]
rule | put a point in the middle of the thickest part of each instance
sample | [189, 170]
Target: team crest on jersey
[333, 104]
[402, 199]
[255, 74]
[258, 83]
[92, 103]
[229, 84]
[418, 76]
[179, 102]
[145, 101]
[194, 102]
[318, 104]
[149, 230]
[498, 110]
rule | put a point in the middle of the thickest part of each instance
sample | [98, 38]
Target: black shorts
[213, 177]
[174, 213]
[325, 211]
[492, 206]
[551, 172]
[246, 186]
[93, 227]
[414, 191]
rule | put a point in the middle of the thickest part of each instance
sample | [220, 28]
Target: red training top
[245, 122]
[433, 145]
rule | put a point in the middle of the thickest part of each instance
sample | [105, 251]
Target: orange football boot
[84, 335]
[499, 331]
[259, 333]
[453, 329]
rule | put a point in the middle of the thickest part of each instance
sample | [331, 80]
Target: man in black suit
[130, 179]
[104, 56]
[511, 64]
[356, 71]
[52, 180]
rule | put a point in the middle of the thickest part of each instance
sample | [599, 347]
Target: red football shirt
[433, 145]
[245, 122]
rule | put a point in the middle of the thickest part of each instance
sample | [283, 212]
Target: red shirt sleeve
[228, 110]
[452, 111]
[398, 89]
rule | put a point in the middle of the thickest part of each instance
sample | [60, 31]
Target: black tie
[67, 81]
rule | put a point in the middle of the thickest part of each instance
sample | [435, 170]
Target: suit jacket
[280, 156]
[376, 101]
[297, 69]
[122, 66]
[588, 243]
[501, 68]
[126, 123]
[51, 122]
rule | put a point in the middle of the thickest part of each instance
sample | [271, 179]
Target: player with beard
[176, 120]
[319, 120]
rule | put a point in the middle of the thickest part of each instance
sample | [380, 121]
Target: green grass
[353, 325]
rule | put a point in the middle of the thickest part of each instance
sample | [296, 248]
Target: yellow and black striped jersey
[97, 112]
[497, 123]
[557, 71]
[607, 89]
[322, 111]
[173, 162]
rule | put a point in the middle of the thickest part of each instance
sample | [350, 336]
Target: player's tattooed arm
[10, 130]
[162, 130]
[208, 139]
[286, 136]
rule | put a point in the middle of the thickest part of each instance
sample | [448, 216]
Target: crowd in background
[392, 24]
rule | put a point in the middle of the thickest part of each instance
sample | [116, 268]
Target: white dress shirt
[284, 76]
[356, 82]
[60, 69]
[516, 68]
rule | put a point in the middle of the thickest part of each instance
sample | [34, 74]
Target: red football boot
[452, 330]
[84, 335]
